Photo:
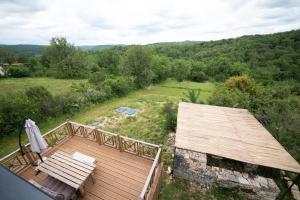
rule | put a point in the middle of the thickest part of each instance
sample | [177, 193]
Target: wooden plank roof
[230, 133]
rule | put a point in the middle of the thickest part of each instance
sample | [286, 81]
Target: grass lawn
[147, 125]
[55, 86]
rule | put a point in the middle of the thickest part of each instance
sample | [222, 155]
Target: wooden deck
[119, 175]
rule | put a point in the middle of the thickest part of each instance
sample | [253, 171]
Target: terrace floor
[119, 175]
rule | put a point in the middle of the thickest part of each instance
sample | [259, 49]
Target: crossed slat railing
[17, 162]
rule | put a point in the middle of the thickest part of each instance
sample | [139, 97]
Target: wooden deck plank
[119, 175]
[108, 159]
[125, 170]
[112, 153]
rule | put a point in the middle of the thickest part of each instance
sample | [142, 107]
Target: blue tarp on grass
[127, 111]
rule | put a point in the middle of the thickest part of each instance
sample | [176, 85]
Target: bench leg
[93, 177]
[81, 191]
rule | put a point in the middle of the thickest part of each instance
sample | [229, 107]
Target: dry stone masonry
[192, 166]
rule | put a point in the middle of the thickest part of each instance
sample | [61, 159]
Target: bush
[242, 83]
[199, 76]
[13, 110]
[170, 112]
[68, 103]
[120, 86]
[41, 98]
[18, 71]
[98, 77]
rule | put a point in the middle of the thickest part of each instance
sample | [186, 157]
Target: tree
[181, 69]
[6, 56]
[137, 62]
[65, 59]
[198, 72]
[108, 59]
[161, 68]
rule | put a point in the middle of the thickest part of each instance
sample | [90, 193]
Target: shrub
[242, 83]
[120, 86]
[68, 103]
[199, 76]
[13, 110]
[97, 77]
[18, 71]
[192, 95]
[170, 112]
[41, 98]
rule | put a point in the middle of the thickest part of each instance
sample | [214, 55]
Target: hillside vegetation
[260, 73]
[150, 101]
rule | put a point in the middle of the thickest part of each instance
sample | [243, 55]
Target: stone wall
[193, 166]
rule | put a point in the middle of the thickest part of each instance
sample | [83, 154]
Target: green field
[147, 125]
[55, 86]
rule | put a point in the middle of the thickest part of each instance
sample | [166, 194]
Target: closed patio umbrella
[37, 142]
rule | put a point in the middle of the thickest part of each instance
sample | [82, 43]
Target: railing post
[98, 136]
[70, 128]
[160, 147]
[28, 154]
[119, 140]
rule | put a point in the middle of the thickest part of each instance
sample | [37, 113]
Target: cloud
[141, 21]
[279, 3]
[20, 7]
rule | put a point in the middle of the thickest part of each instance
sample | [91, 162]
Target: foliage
[6, 56]
[41, 99]
[243, 84]
[65, 59]
[170, 112]
[192, 95]
[108, 59]
[13, 110]
[137, 62]
[98, 77]
[17, 71]
[161, 68]
[198, 72]
[275, 106]
[181, 69]
[120, 86]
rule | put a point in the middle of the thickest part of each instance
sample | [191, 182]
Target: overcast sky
[90, 22]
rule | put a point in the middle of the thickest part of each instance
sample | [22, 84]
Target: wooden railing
[122, 143]
[16, 162]
[151, 176]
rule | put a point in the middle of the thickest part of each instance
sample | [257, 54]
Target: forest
[260, 73]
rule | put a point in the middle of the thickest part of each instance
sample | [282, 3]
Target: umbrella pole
[40, 157]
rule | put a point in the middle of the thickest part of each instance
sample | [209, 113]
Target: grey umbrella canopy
[37, 142]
